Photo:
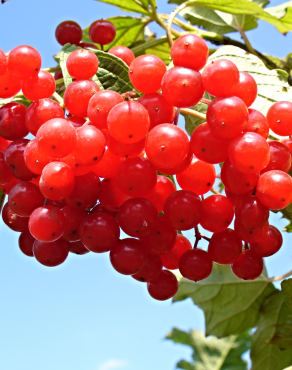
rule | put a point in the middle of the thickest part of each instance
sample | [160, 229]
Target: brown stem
[193, 113]
[246, 245]
[2, 199]
[277, 278]
[197, 236]
[101, 47]
[205, 237]
[206, 101]
[176, 117]
[214, 191]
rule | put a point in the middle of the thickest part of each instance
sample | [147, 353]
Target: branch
[59, 99]
[289, 273]
[193, 113]
[214, 191]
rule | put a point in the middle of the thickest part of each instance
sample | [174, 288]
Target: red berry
[47, 224]
[164, 286]
[108, 165]
[179, 168]
[39, 87]
[280, 157]
[90, 145]
[51, 254]
[235, 199]
[217, 213]
[73, 218]
[123, 53]
[14, 158]
[207, 146]
[3, 144]
[199, 177]
[151, 269]
[159, 110]
[167, 145]
[14, 222]
[274, 189]
[225, 247]
[12, 121]
[3, 63]
[227, 117]
[247, 88]
[25, 243]
[57, 181]
[257, 123]
[237, 182]
[78, 248]
[77, 96]
[163, 188]
[183, 210]
[24, 62]
[161, 238]
[182, 87]
[34, 159]
[220, 78]
[100, 105]
[24, 198]
[146, 72]
[250, 235]
[171, 259]
[128, 256]
[136, 177]
[102, 32]
[68, 32]
[5, 172]
[279, 118]
[195, 265]
[249, 152]
[76, 122]
[122, 122]
[99, 232]
[269, 245]
[9, 85]
[40, 112]
[82, 64]
[190, 51]
[251, 213]
[137, 216]
[56, 138]
[124, 150]
[247, 266]
[111, 197]
[85, 192]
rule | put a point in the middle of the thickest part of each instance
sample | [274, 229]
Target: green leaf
[286, 286]
[212, 353]
[247, 8]
[112, 73]
[19, 98]
[283, 335]
[264, 354]
[129, 30]
[230, 305]
[192, 122]
[272, 84]
[158, 47]
[134, 6]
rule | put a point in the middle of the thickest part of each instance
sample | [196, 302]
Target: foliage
[212, 353]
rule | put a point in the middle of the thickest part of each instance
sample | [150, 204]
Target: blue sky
[82, 314]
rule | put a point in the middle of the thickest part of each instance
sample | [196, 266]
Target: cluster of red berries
[59, 204]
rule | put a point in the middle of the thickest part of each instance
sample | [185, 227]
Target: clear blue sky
[84, 315]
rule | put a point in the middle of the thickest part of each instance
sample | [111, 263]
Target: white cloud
[113, 365]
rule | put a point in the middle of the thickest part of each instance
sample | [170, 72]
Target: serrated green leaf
[129, 30]
[246, 8]
[112, 73]
[230, 305]
[264, 354]
[272, 84]
[129, 5]
[19, 98]
[212, 353]
[192, 122]
[286, 286]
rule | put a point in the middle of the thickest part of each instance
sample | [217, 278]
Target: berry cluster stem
[278, 278]
[59, 99]
[176, 117]
[193, 113]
